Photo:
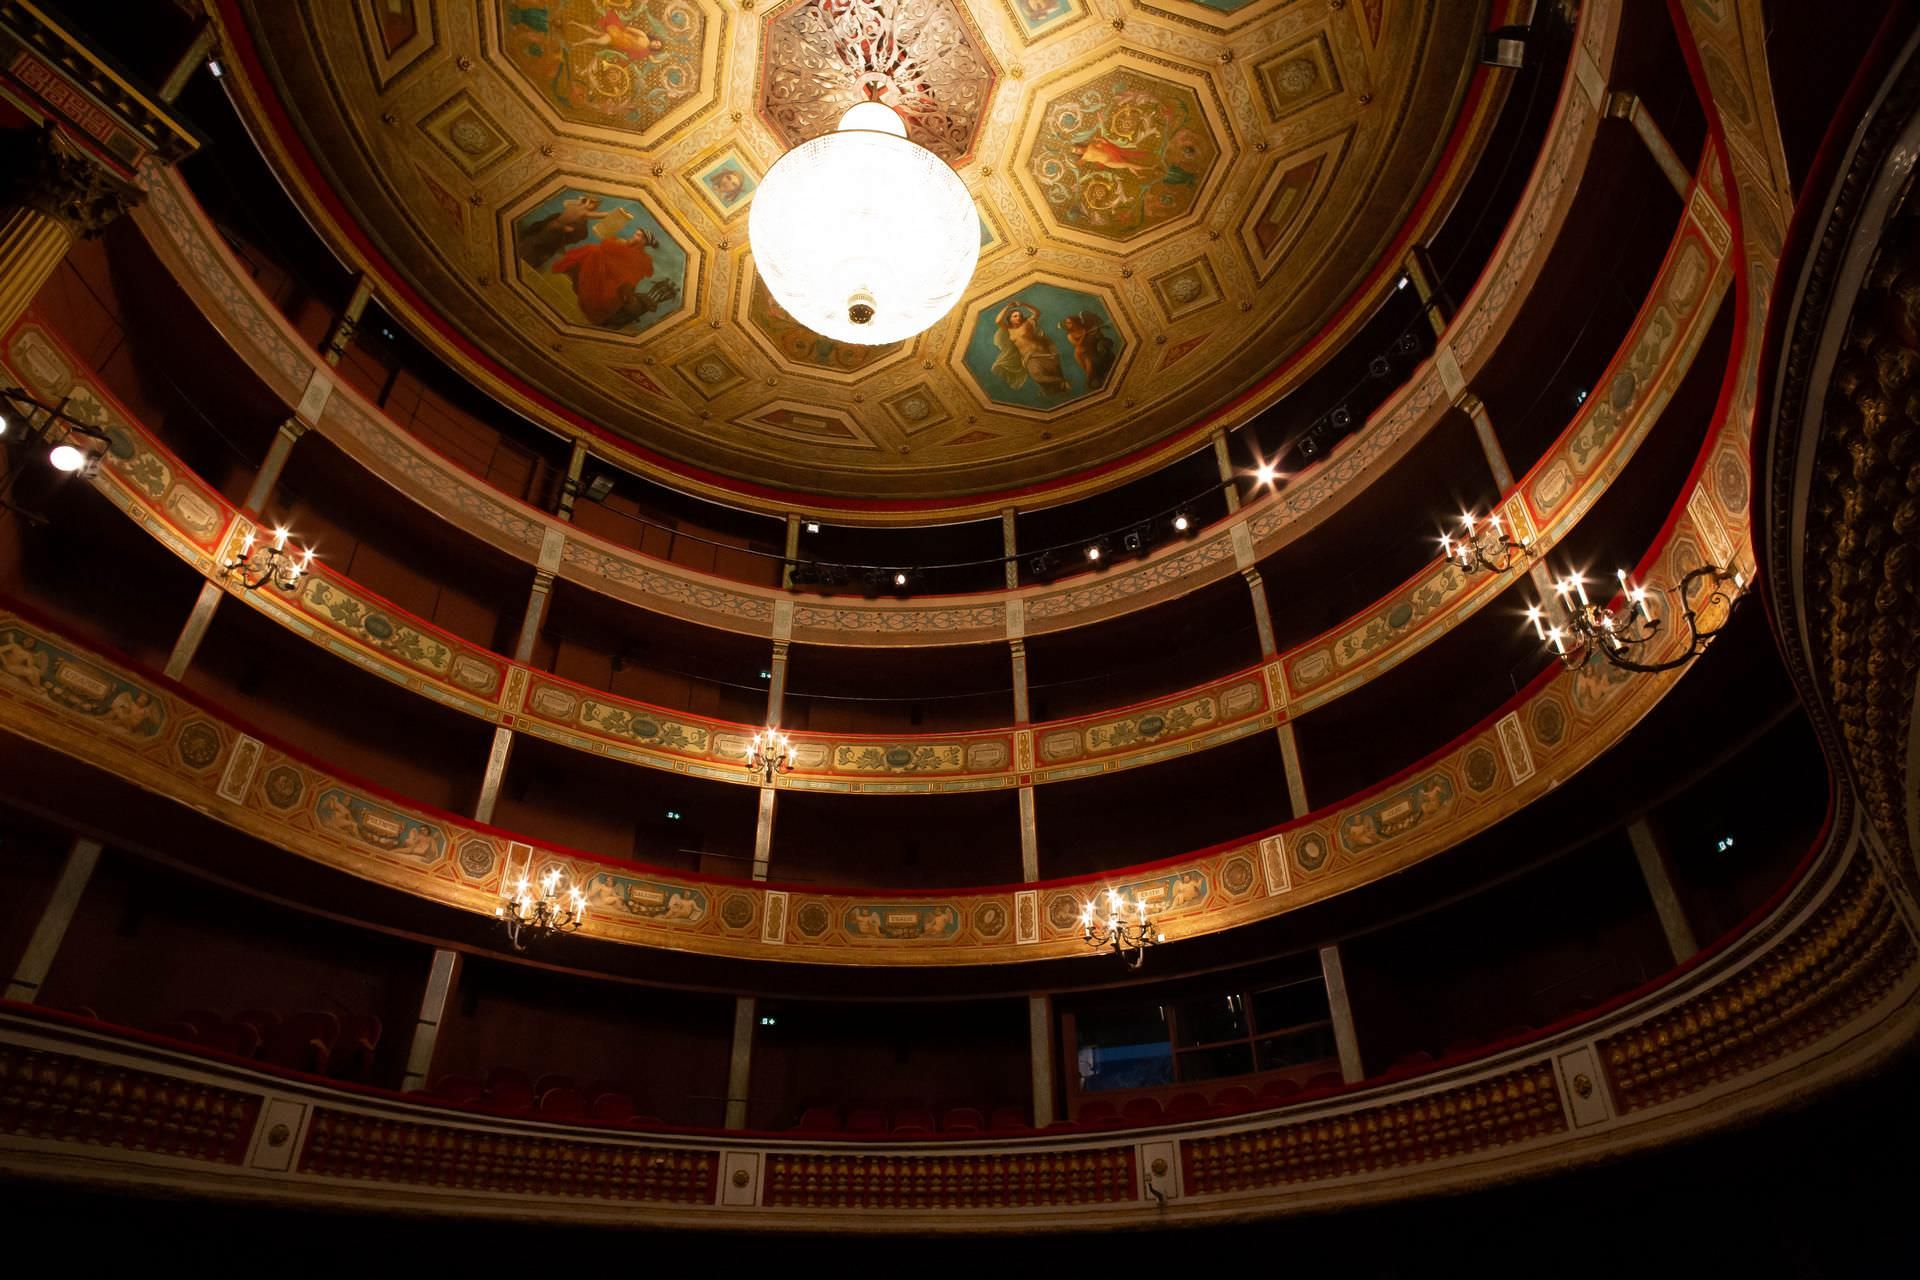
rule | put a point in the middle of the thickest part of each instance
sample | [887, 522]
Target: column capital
[47, 172]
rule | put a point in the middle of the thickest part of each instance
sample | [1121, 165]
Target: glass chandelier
[863, 236]
[1128, 939]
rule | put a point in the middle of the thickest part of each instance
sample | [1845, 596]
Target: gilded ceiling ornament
[923, 58]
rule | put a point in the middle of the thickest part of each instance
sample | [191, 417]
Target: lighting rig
[63, 442]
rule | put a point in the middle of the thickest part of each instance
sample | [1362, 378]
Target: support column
[1009, 548]
[342, 333]
[442, 978]
[1476, 410]
[740, 1062]
[763, 835]
[1426, 287]
[1223, 462]
[530, 623]
[1262, 613]
[1622, 105]
[264, 480]
[1344, 1039]
[31, 247]
[1659, 877]
[1040, 1050]
[82, 857]
[792, 552]
[1022, 718]
[1290, 765]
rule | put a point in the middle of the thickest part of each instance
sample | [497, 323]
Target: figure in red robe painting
[608, 273]
[1108, 154]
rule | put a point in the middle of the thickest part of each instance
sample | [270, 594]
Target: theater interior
[1339, 690]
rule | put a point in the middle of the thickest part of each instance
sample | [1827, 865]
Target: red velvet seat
[462, 1090]
[866, 1120]
[553, 1080]
[819, 1120]
[236, 1038]
[353, 1054]
[1062, 1126]
[264, 1021]
[1275, 1092]
[304, 1042]
[1142, 1111]
[1098, 1113]
[176, 1030]
[563, 1103]
[912, 1120]
[509, 1091]
[612, 1108]
[202, 1020]
[1190, 1106]
[1007, 1118]
[1326, 1080]
[1235, 1097]
[962, 1120]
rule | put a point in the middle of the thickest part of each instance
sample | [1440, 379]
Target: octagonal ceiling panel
[931, 66]
[1175, 198]
[1126, 150]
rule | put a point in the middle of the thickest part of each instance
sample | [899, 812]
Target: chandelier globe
[862, 235]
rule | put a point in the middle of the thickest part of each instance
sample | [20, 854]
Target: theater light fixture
[532, 911]
[263, 563]
[861, 234]
[770, 755]
[74, 447]
[1620, 635]
[1482, 545]
[1124, 928]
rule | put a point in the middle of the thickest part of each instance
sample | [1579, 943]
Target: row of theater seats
[913, 1119]
[310, 1040]
[510, 1092]
[1102, 1113]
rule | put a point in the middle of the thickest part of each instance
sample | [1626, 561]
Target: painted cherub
[1092, 346]
[132, 712]
[22, 659]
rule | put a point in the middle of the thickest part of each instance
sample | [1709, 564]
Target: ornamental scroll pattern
[923, 58]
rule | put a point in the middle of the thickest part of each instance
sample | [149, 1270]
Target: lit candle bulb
[1559, 646]
[1493, 522]
[1580, 586]
[1533, 616]
[246, 544]
[279, 539]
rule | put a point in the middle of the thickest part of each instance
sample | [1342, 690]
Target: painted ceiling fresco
[1174, 198]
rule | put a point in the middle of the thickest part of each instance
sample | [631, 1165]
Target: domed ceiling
[1174, 197]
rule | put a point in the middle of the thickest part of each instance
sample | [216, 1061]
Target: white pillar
[82, 857]
[1344, 1038]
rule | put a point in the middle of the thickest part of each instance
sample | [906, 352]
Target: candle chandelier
[770, 755]
[1623, 635]
[261, 564]
[1126, 937]
[531, 911]
[1482, 546]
